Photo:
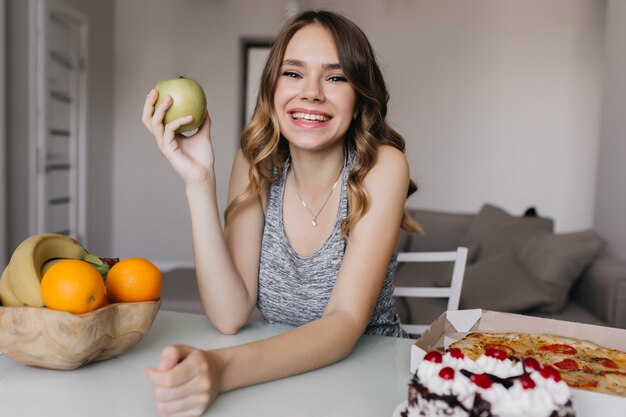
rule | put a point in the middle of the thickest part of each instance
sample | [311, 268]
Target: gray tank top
[295, 290]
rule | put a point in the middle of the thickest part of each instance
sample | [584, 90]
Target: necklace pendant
[314, 223]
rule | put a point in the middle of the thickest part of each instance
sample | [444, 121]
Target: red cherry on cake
[456, 353]
[482, 380]
[532, 364]
[446, 373]
[433, 356]
[496, 353]
[549, 372]
[527, 382]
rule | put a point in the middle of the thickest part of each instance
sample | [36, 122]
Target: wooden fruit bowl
[52, 339]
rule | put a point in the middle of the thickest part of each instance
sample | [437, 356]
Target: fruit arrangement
[63, 307]
[55, 271]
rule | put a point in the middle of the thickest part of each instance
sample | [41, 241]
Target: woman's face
[313, 99]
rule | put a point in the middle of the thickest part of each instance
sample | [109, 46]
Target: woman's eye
[291, 74]
[337, 78]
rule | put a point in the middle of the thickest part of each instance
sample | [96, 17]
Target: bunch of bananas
[20, 281]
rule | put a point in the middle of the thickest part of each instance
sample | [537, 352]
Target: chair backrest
[452, 293]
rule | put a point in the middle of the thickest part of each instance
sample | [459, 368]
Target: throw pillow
[558, 260]
[501, 283]
[495, 230]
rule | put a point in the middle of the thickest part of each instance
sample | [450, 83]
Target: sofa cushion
[494, 230]
[501, 283]
[442, 230]
[558, 260]
[602, 289]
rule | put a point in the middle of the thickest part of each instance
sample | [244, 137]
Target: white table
[372, 381]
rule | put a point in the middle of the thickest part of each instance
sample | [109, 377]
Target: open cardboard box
[454, 325]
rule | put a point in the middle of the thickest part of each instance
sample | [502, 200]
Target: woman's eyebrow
[299, 63]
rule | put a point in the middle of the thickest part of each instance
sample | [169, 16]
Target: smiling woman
[320, 175]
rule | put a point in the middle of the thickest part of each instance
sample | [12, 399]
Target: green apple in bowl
[187, 99]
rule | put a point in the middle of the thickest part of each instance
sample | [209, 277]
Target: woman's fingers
[148, 108]
[176, 123]
[156, 122]
[205, 126]
[181, 381]
[188, 407]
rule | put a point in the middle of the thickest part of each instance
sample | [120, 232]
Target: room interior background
[516, 103]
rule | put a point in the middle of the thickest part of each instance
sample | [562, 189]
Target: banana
[7, 298]
[48, 264]
[25, 266]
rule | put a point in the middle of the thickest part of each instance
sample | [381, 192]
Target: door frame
[3, 142]
[37, 100]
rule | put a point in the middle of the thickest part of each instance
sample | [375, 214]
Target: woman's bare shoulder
[390, 161]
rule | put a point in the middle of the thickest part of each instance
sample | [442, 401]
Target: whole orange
[133, 279]
[72, 285]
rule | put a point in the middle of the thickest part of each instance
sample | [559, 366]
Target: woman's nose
[312, 90]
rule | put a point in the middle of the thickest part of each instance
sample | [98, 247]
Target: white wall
[498, 101]
[610, 210]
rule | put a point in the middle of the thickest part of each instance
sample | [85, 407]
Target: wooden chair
[452, 293]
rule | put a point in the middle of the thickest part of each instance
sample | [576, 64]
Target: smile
[310, 117]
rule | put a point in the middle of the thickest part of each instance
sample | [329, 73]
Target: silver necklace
[306, 206]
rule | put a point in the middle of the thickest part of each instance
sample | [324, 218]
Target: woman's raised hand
[191, 157]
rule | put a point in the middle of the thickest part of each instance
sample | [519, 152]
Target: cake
[451, 384]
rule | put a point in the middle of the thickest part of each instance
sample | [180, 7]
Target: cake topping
[433, 356]
[549, 372]
[446, 385]
[482, 380]
[532, 364]
[527, 382]
[496, 353]
[456, 353]
[446, 373]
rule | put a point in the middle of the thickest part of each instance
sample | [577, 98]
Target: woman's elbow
[227, 325]
[228, 330]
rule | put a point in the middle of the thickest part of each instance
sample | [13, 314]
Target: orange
[72, 285]
[133, 279]
[105, 301]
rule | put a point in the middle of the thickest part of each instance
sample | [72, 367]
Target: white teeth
[312, 117]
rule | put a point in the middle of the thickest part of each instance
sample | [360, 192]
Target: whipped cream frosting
[506, 393]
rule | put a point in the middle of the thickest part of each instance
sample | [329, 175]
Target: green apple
[187, 99]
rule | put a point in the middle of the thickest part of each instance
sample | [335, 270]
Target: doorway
[3, 131]
[58, 174]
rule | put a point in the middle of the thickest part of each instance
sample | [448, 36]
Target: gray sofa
[516, 264]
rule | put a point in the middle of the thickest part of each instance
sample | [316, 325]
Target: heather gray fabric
[501, 283]
[295, 290]
[493, 229]
[602, 288]
[558, 260]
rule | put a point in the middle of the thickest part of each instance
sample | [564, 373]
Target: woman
[316, 202]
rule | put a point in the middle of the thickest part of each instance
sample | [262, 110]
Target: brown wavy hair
[266, 150]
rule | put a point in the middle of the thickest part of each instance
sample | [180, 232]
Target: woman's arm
[226, 272]
[321, 342]
[227, 265]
